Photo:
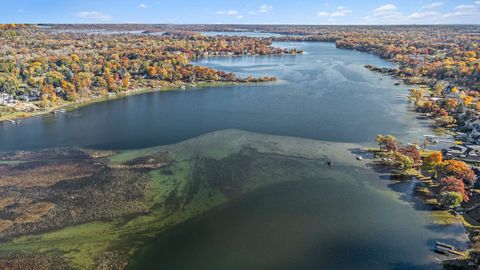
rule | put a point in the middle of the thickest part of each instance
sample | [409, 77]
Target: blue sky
[241, 12]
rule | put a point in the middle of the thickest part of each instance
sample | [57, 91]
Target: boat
[359, 158]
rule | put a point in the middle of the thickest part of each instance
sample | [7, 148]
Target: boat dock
[447, 249]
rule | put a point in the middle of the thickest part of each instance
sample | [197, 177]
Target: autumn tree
[431, 161]
[48, 95]
[386, 142]
[457, 169]
[416, 95]
[74, 57]
[412, 152]
[450, 199]
[54, 78]
[402, 162]
[454, 184]
[126, 80]
[9, 83]
[152, 72]
[444, 121]
[70, 91]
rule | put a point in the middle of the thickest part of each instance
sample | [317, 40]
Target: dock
[447, 249]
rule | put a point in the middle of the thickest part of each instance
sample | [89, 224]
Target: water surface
[308, 215]
[325, 94]
[346, 220]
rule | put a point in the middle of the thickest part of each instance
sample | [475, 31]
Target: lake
[325, 94]
[345, 217]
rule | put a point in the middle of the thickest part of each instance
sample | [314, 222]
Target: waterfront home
[473, 125]
[33, 96]
[6, 99]
[467, 152]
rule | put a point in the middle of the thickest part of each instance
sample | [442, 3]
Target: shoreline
[471, 226]
[426, 191]
[72, 105]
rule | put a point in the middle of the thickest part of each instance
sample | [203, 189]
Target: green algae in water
[221, 169]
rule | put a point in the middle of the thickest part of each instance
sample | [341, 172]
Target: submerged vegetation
[120, 200]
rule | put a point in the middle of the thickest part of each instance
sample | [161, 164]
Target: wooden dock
[447, 249]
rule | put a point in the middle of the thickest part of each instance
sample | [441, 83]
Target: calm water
[299, 225]
[325, 94]
[354, 221]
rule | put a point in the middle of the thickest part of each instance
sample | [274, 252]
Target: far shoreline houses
[29, 96]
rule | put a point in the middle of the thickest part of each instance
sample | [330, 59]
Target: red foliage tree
[454, 184]
[412, 152]
[457, 169]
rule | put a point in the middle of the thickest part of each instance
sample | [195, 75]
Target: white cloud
[423, 15]
[464, 11]
[433, 5]
[93, 15]
[265, 8]
[227, 12]
[389, 14]
[142, 6]
[464, 7]
[386, 8]
[340, 12]
[231, 12]
[262, 9]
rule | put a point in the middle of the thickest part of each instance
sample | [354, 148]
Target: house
[467, 152]
[472, 123]
[6, 99]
